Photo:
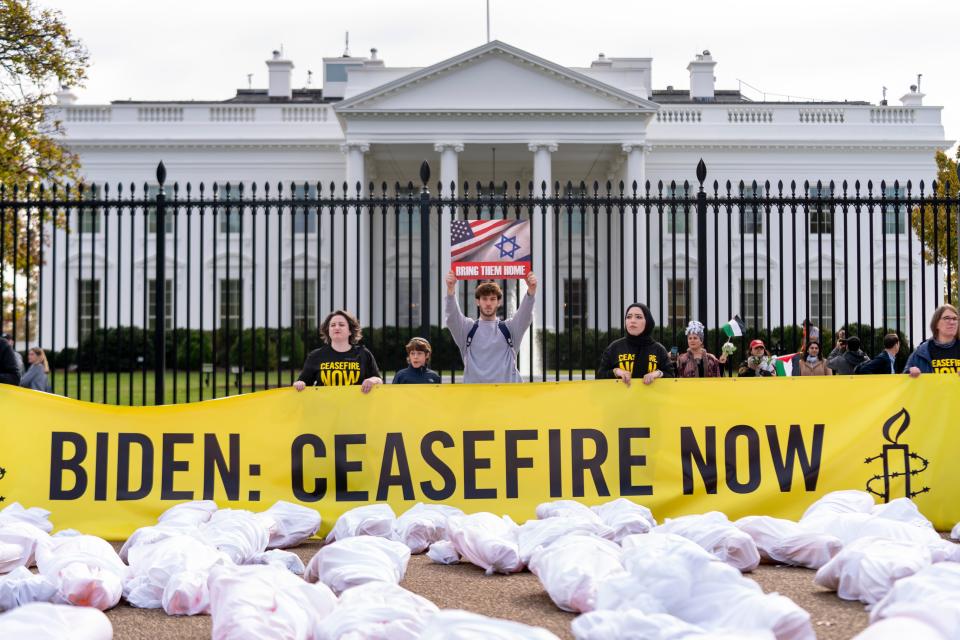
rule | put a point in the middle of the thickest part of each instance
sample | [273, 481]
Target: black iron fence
[170, 293]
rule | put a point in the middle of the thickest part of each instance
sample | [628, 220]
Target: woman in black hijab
[637, 353]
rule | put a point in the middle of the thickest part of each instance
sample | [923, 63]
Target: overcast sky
[831, 50]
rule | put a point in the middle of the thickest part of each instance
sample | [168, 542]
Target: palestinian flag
[734, 327]
[784, 365]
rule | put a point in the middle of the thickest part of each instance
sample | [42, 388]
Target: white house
[493, 113]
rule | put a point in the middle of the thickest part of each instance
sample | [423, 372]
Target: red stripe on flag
[489, 230]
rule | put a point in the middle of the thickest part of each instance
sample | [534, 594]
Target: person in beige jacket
[812, 362]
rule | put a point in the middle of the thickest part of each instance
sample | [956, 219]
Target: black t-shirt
[326, 367]
[945, 359]
[639, 356]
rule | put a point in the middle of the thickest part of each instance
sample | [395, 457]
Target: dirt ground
[515, 597]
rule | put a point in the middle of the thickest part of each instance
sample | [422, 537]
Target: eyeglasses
[949, 318]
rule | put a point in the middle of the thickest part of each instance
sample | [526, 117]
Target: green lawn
[137, 388]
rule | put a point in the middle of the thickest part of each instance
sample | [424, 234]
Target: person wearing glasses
[941, 353]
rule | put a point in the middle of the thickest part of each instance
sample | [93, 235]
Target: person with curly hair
[342, 361]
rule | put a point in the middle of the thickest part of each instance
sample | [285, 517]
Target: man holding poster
[488, 345]
[490, 249]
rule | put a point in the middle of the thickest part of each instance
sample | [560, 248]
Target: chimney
[914, 98]
[701, 77]
[373, 60]
[280, 71]
[602, 62]
[65, 97]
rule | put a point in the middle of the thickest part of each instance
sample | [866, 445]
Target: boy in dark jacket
[418, 357]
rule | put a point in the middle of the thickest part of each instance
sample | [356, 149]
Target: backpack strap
[501, 325]
[506, 332]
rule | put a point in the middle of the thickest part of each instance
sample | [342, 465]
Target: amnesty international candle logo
[3, 472]
[897, 459]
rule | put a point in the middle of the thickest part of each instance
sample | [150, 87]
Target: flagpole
[488, 20]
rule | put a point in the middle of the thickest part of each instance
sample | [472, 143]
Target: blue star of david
[506, 251]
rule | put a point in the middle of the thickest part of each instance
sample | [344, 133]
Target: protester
[418, 357]
[759, 363]
[488, 345]
[811, 333]
[637, 352]
[36, 376]
[16, 354]
[696, 362]
[840, 344]
[9, 372]
[342, 361]
[941, 353]
[811, 362]
[849, 359]
[885, 361]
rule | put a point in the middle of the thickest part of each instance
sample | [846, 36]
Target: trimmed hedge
[121, 349]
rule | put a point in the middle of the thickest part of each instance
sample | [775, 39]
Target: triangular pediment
[495, 78]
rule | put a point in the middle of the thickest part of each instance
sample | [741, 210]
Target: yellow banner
[741, 446]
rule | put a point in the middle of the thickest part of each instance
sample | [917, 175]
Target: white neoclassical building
[494, 113]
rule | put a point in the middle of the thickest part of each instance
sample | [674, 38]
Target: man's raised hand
[531, 283]
[451, 281]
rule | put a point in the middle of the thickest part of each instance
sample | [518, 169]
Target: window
[678, 215]
[821, 312]
[89, 220]
[491, 204]
[152, 192]
[231, 303]
[751, 214]
[229, 213]
[304, 217]
[408, 213]
[894, 213]
[821, 213]
[88, 307]
[408, 314]
[152, 304]
[572, 220]
[305, 304]
[753, 303]
[894, 315]
[678, 294]
[575, 301]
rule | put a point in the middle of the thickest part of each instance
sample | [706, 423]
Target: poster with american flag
[490, 249]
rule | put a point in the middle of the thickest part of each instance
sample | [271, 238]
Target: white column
[634, 272]
[449, 173]
[356, 224]
[543, 257]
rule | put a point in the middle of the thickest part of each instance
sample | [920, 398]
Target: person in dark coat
[9, 371]
[637, 353]
[845, 363]
[940, 353]
[885, 361]
[417, 372]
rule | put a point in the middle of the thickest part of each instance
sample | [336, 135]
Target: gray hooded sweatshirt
[489, 358]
